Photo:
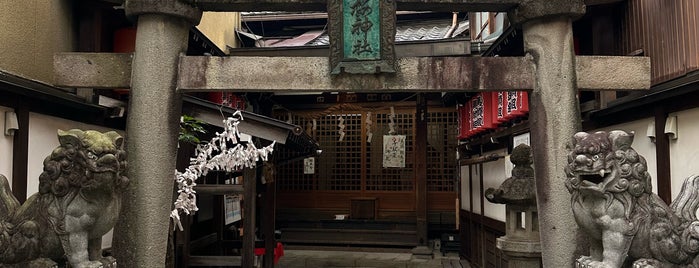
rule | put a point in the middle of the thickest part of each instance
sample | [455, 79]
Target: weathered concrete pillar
[140, 238]
[554, 118]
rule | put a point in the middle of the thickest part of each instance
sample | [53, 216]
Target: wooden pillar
[662, 155]
[421, 174]
[249, 196]
[269, 223]
[20, 152]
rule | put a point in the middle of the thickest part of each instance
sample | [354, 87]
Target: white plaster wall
[465, 198]
[6, 143]
[642, 144]
[684, 151]
[220, 27]
[476, 189]
[43, 138]
[493, 176]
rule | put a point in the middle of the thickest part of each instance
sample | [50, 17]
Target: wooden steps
[350, 232]
[350, 236]
[450, 263]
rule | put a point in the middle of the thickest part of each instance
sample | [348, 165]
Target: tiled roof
[418, 30]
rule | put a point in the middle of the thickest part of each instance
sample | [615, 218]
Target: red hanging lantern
[476, 115]
[488, 103]
[227, 99]
[463, 119]
[481, 112]
[468, 126]
[498, 107]
[517, 104]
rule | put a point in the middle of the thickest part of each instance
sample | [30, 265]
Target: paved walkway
[297, 258]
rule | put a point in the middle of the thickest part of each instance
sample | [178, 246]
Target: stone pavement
[297, 258]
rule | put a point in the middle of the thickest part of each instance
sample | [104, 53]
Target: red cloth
[278, 252]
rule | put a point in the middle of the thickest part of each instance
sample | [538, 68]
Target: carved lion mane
[612, 200]
[78, 202]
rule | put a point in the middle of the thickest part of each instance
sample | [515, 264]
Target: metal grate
[441, 151]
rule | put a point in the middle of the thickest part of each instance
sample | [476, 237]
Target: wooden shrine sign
[362, 33]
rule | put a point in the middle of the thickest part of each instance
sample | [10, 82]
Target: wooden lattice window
[441, 151]
[292, 174]
[354, 164]
[339, 166]
[390, 179]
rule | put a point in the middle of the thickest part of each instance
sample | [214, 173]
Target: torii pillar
[550, 71]
[554, 118]
[152, 129]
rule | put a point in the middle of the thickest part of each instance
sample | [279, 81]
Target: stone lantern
[520, 244]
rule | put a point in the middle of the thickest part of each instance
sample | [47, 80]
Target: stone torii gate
[158, 73]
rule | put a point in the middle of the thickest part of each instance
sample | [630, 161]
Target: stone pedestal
[107, 262]
[422, 252]
[520, 245]
[520, 254]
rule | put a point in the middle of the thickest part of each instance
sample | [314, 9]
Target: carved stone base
[38, 263]
[107, 262]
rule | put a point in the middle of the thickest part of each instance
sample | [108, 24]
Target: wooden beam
[312, 74]
[218, 189]
[285, 74]
[321, 5]
[97, 70]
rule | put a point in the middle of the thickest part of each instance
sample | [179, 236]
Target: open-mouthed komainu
[612, 201]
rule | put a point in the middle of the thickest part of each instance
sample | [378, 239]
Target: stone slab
[320, 5]
[528, 10]
[175, 8]
[327, 262]
[417, 74]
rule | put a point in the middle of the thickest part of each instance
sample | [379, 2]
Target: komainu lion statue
[612, 201]
[78, 202]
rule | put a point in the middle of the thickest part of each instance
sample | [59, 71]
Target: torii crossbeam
[157, 73]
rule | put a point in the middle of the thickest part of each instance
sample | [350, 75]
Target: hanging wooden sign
[362, 34]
